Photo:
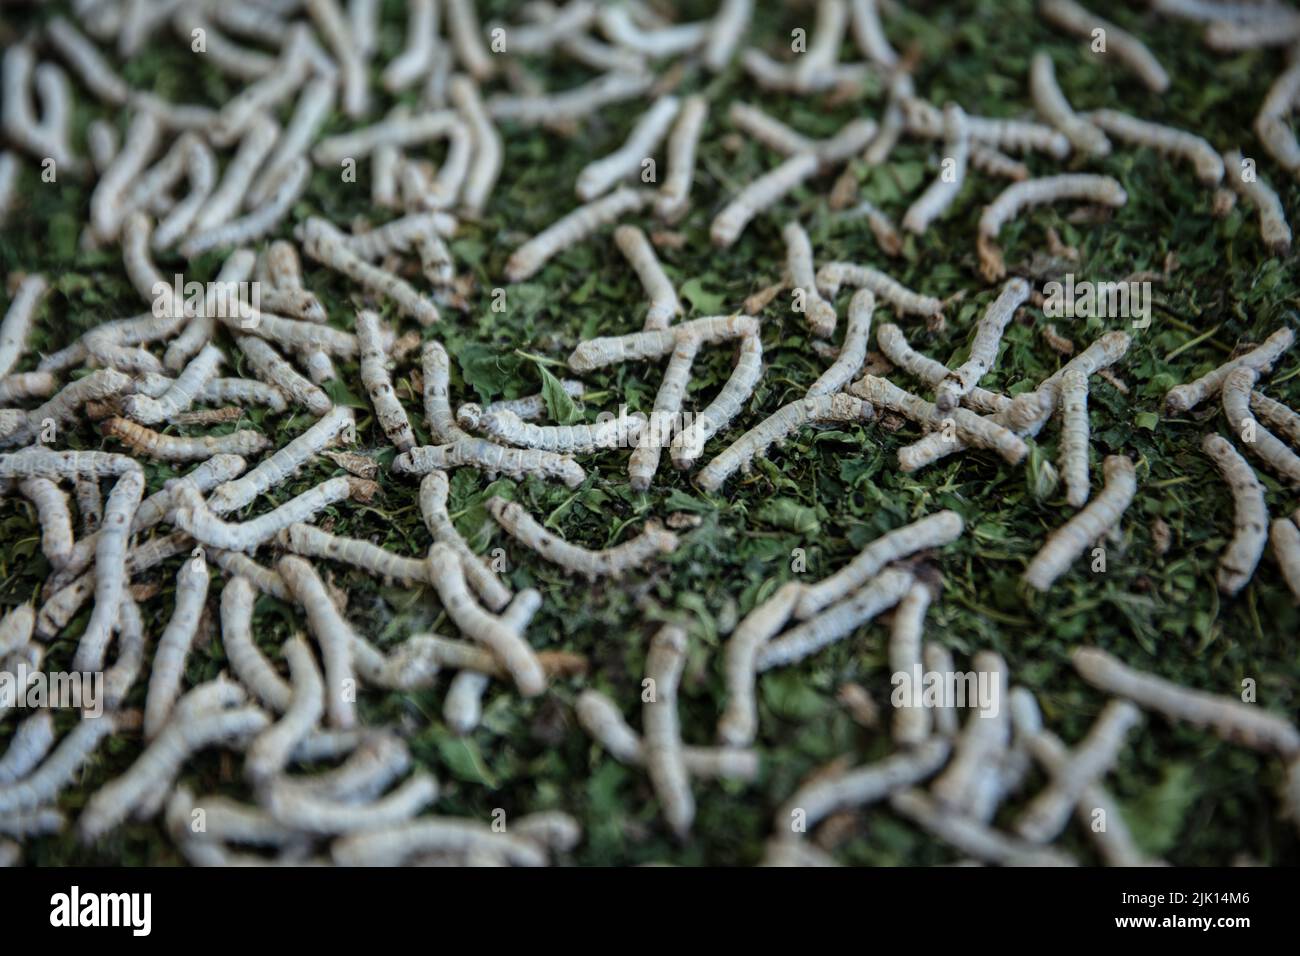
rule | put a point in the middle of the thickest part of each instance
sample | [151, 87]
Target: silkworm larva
[224, 821]
[274, 470]
[31, 741]
[823, 50]
[1261, 443]
[984, 348]
[492, 458]
[988, 160]
[1285, 537]
[311, 541]
[333, 634]
[1250, 515]
[174, 646]
[482, 174]
[599, 176]
[121, 677]
[981, 745]
[334, 29]
[48, 136]
[662, 746]
[193, 515]
[254, 146]
[400, 129]
[574, 103]
[769, 130]
[836, 622]
[308, 813]
[45, 463]
[508, 428]
[55, 519]
[527, 408]
[1204, 158]
[665, 414]
[246, 660]
[222, 301]
[270, 751]
[777, 427]
[739, 721]
[894, 345]
[272, 368]
[400, 235]
[1084, 187]
[970, 427]
[421, 42]
[243, 391]
[107, 203]
[833, 275]
[236, 563]
[819, 313]
[1246, 724]
[1065, 544]
[869, 35]
[1053, 107]
[571, 229]
[391, 846]
[290, 182]
[321, 241]
[151, 444]
[675, 195]
[239, 62]
[1183, 398]
[43, 785]
[1127, 48]
[911, 725]
[20, 386]
[378, 384]
[467, 39]
[463, 706]
[1252, 187]
[635, 346]
[688, 443]
[972, 837]
[1279, 416]
[110, 569]
[181, 395]
[1074, 437]
[17, 322]
[1227, 36]
[853, 351]
[84, 58]
[759, 195]
[640, 255]
[506, 644]
[726, 31]
[942, 192]
[377, 758]
[313, 107]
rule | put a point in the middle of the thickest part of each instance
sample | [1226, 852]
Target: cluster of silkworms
[221, 412]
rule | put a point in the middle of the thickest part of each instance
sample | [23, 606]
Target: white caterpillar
[467, 39]
[246, 660]
[819, 313]
[17, 323]
[110, 569]
[291, 183]
[42, 786]
[599, 176]
[55, 519]
[981, 745]
[984, 348]
[272, 368]
[88, 63]
[488, 150]
[943, 191]
[378, 385]
[835, 274]
[333, 633]
[1204, 158]
[492, 458]
[853, 351]
[739, 721]
[347, 50]
[571, 229]
[321, 241]
[1065, 544]
[1285, 537]
[1262, 443]
[761, 194]
[662, 747]
[1250, 515]
[1183, 398]
[510, 429]
[421, 43]
[182, 393]
[310, 541]
[972, 837]
[911, 725]
[433, 505]
[225, 200]
[688, 443]
[683, 143]
[1128, 49]
[174, 645]
[270, 751]
[665, 415]
[636, 248]
[108, 202]
[1055, 108]
[151, 444]
[28, 746]
[1273, 227]
[195, 518]
[635, 346]
[1074, 437]
[572, 104]
[893, 343]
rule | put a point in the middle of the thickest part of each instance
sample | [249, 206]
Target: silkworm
[509, 429]
[823, 50]
[574, 559]
[571, 229]
[988, 160]
[269, 366]
[378, 384]
[943, 191]
[107, 202]
[311, 541]
[321, 241]
[1128, 49]
[482, 174]
[492, 458]
[1183, 398]
[911, 724]
[236, 563]
[574, 103]
[245, 658]
[853, 351]
[17, 323]
[726, 31]
[421, 42]
[243, 391]
[28, 746]
[461, 838]
[147, 442]
[48, 136]
[1261, 443]
[16, 629]
[1273, 227]
[819, 313]
[1015, 136]
[1226, 36]
[664, 416]
[400, 235]
[636, 248]
[1055, 108]
[879, 594]
[1205, 159]
[270, 751]
[55, 519]
[760, 195]
[8, 182]
[972, 837]
[1074, 437]
[110, 569]
[1285, 537]
[869, 35]
[893, 122]
[509, 648]
[313, 107]
[984, 347]
[334, 29]
[1250, 515]
[174, 646]
[224, 821]
[195, 518]
[290, 185]
[433, 505]
[981, 746]
[893, 343]
[688, 443]
[182, 393]
[333, 634]
[683, 143]
[776, 428]
[1279, 416]
[467, 39]
[222, 302]
[400, 129]
[308, 813]
[254, 146]
[463, 708]
[19, 386]
[833, 275]
[43, 785]
[769, 131]
[739, 721]
[1244, 724]
[662, 746]
[599, 176]
[528, 407]
[121, 677]
[1064, 545]
[45, 463]
[635, 346]
[88, 63]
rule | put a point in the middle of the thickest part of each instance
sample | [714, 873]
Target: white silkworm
[688, 443]
[378, 384]
[1246, 724]
[1055, 108]
[270, 751]
[599, 176]
[55, 519]
[636, 248]
[1273, 122]
[739, 721]
[853, 351]
[308, 813]
[664, 416]
[243, 391]
[421, 43]
[463, 706]
[20, 386]
[958, 383]
[195, 518]
[932, 531]
[761, 194]
[528, 407]
[347, 50]
[492, 458]
[236, 563]
[1015, 136]
[291, 184]
[16, 629]
[1253, 188]
[1074, 437]
[982, 744]
[400, 235]
[1205, 159]
[84, 58]
[572, 104]
[239, 62]
[611, 562]
[246, 660]
[726, 31]
[683, 142]
[769, 131]
[43, 785]
[833, 275]
[822, 54]
[48, 136]
[1279, 416]
[44, 463]
[879, 594]
[972, 837]
[272, 368]
[778, 426]
[312, 109]
[222, 301]
[467, 39]
[1127, 48]
[894, 345]
[819, 313]
[17, 323]
[1250, 515]
[1285, 537]
[324, 243]
[182, 393]
[1183, 398]
[460, 838]
[333, 633]
[254, 146]
[911, 724]
[635, 346]
[571, 229]
[1261, 443]
[174, 645]
[108, 202]
[110, 569]
[508, 428]
[151, 444]
[433, 505]
[30, 743]
[942, 192]
[869, 35]
[1066, 543]
[618, 24]
[399, 130]
[662, 746]
[482, 174]
[8, 182]
[310, 541]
